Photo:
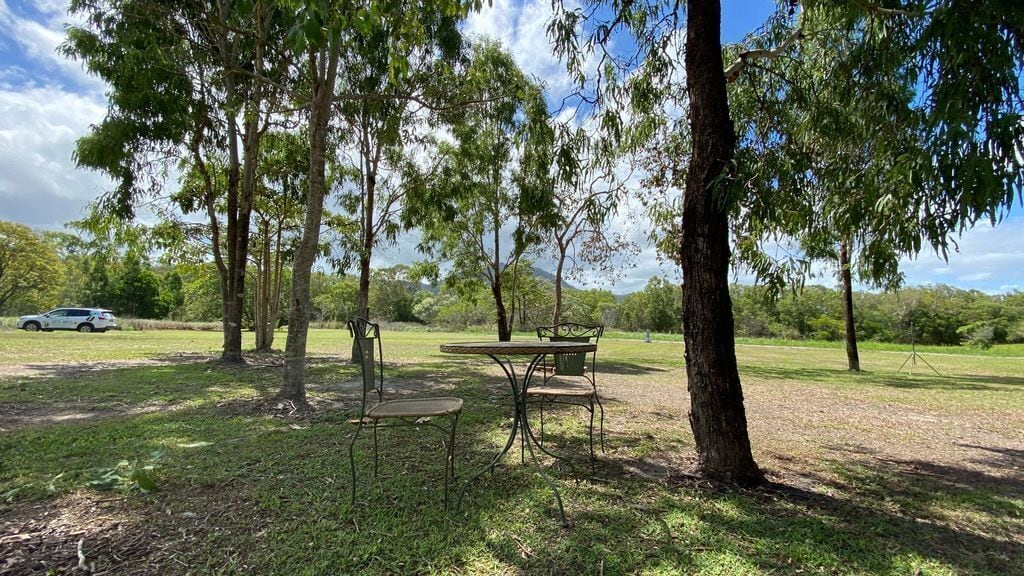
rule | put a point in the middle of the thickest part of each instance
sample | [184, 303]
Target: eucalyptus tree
[964, 164]
[188, 83]
[818, 155]
[276, 209]
[491, 198]
[76, 262]
[585, 202]
[875, 139]
[648, 81]
[323, 35]
[383, 130]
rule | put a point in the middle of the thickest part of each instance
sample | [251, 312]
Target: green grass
[881, 472]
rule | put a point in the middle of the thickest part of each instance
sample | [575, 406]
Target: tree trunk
[363, 302]
[232, 307]
[293, 385]
[367, 230]
[275, 292]
[852, 356]
[263, 328]
[556, 315]
[513, 297]
[259, 263]
[504, 333]
[717, 415]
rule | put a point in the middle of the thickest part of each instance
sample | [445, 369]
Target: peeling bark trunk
[232, 321]
[717, 415]
[504, 334]
[262, 263]
[323, 75]
[556, 314]
[852, 356]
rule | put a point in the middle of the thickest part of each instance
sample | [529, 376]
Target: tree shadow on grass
[627, 368]
[893, 380]
[871, 517]
[1000, 458]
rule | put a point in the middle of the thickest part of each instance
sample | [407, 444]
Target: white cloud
[38, 42]
[975, 277]
[39, 185]
[987, 258]
[521, 28]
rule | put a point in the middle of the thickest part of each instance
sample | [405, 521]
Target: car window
[59, 313]
[77, 312]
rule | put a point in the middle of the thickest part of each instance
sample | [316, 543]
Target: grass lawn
[881, 472]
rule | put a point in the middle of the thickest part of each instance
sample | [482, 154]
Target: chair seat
[580, 391]
[415, 407]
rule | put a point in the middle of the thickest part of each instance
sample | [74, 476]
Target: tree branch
[873, 8]
[733, 72]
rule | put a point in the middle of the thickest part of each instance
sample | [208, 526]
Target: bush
[981, 335]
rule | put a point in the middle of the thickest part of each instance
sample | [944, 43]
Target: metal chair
[573, 366]
[404, 411]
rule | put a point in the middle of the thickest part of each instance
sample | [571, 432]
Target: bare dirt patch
[98, 534]
[80, 533]
[36, 370]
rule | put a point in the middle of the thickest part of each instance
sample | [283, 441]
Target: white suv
[81, 319]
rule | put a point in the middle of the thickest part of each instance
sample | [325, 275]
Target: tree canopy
[30, 273]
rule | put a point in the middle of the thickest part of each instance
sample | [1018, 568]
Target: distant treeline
[929, 314]
[59, 270]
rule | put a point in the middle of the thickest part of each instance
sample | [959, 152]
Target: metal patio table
[503, 353]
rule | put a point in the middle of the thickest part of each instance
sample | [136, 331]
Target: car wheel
[31, 326]
[85, 328]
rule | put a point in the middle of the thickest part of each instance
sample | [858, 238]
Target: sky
[47, 102]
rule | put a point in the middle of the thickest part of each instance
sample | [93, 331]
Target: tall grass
[145, 324]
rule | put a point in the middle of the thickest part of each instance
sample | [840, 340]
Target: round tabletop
[518, 347]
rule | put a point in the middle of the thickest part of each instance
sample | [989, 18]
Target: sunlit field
[882, 472]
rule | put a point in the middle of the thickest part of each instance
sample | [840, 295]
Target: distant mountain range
[542, 274]
[550, 277]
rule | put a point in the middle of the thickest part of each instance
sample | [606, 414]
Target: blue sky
[47, 102]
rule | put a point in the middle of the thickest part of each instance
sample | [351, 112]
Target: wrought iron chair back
[368, 349]
[575, 365]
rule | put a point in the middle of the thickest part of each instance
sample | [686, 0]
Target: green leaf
[143, 479]
[159, 452]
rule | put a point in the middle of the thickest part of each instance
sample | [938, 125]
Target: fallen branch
[82, 565]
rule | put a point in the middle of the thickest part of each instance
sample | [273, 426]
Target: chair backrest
[371, 357]
[573, 363]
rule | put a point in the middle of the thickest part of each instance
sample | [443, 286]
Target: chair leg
[601, 408]
[522, 445]
[542, 421]
[449, 468]
[374, 449]
[352, 459]
[591, 432]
